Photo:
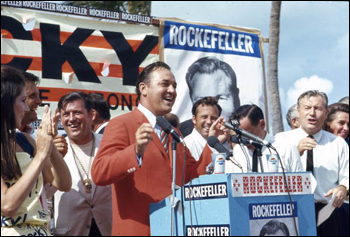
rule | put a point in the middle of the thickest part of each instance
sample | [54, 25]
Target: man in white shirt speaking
[322, 153]
[251, 119]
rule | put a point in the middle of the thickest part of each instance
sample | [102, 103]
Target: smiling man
[33, 101]
[204, 113]
[136, 159]
[86, 209]
[322, 153]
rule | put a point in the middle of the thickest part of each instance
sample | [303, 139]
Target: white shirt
[75, 209]
[195, 142]
[101, 127]
[288, 153]
[330, 156]
[152, 119]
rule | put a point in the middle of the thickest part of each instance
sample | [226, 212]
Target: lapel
[141, 118]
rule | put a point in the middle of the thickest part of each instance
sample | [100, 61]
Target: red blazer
[134, 187]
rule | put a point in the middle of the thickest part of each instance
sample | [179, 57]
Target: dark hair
[211, 101]
[73, 96]
[172, 119]
[333, 109]
[253, 112]
[210, 65]
[29, 77]
[100, 105]
[12, 84]
[272, 227]
[144, 75]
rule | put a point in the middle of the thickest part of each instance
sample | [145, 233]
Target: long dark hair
[12, 84]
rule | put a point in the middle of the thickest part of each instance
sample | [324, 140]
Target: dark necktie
[310, 158]
[255, 161]
[164, 139]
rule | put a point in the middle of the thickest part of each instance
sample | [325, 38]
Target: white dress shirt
[195, 142]
[101, 127]
[152, 119]
[289, 156]
[330, 158]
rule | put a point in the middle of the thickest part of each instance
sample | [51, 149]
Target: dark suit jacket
[134, 187]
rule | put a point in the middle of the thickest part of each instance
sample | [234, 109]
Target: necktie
[255, 161]
[164, 139]
[310, 159]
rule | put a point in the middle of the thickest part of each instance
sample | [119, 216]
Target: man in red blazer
[132, 158]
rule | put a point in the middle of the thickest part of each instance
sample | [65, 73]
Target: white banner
[247, 185]
[72, 53]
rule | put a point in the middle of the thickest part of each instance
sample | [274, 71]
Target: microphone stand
[259, 148]
[173, 201]
[249, 167]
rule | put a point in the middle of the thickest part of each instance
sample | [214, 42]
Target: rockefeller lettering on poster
[211, 39]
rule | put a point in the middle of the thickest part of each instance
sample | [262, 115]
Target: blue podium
[240, 204]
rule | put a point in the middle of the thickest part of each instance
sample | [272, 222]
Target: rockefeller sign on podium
[240, 204]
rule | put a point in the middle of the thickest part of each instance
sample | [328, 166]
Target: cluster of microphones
[242, 136]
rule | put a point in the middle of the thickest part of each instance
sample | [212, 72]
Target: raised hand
[219, 130]
[306, 144]
[45, 135]
[143, 137]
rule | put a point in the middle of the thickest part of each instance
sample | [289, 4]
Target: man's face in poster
[217, 85]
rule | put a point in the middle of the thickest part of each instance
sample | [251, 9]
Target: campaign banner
[76, 53]
[224, 62]
[272, 184]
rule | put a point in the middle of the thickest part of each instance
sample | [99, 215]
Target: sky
[314, 40]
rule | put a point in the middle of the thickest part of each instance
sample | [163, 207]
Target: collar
[198, 136]
[316, 136]
[101, 127]
[269, 138]
[152, 119]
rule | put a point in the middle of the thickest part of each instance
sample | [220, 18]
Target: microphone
[248, 134]
[167, 128]
[246, 141]
[214, 143]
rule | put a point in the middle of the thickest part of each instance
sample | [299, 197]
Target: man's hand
[61, 144]
[341, 193]
[306, 144]
[219, 130]
[143, 137]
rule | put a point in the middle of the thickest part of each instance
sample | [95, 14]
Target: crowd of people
[102, 176]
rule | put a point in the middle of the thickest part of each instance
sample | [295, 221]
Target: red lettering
[245, 185]
[259, 184]
[266, 184]
[300, 184]
[294, 184]
[271, 184]
[276, 183]
[281, 184]
[252, 185]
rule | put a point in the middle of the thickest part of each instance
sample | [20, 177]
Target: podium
[240, 204]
